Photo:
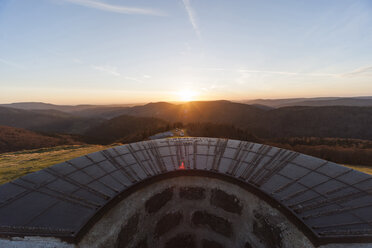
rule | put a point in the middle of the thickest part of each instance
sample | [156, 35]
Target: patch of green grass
[20, 163]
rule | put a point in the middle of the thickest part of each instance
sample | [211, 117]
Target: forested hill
[328, 121]
[15, 139]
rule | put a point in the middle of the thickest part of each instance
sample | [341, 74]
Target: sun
[186, 95]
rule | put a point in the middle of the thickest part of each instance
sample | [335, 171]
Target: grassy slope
[362, 168]
[16, 139]
[16, 164]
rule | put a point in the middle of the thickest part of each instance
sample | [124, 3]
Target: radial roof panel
[330, 201]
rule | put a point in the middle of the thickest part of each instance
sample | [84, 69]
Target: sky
[136, 51]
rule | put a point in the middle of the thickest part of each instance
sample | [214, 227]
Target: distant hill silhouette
[125, 129]
[15, 139]
[51, 121]
[334, 121]
[65, 108]
[46, 106]
[208, 111]
[330, 121]
[364, 101]
[336, 133]
[298, 121]
[151, 109]
[113, 110]
[337, 102]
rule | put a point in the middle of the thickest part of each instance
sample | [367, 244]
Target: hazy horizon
[196, 100]
[119, 52]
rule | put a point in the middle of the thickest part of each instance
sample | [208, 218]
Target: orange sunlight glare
[186, 95]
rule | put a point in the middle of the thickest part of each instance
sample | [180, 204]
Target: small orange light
[182, 167]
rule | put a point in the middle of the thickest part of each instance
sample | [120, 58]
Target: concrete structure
[189, 192]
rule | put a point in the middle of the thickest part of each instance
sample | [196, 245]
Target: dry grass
[362, 168]
[17, 164]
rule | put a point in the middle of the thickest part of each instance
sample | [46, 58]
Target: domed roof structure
[326, 202]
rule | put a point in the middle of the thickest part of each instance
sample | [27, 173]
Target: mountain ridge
[292, 121]
[316, 101]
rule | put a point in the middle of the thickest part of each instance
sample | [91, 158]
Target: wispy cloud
[284, 73]
[133, 79]
[288, 73]
[192, 17]
[115, 8]
[111, 70]
[363, 71]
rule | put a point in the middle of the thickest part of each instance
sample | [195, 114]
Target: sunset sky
[128, 51]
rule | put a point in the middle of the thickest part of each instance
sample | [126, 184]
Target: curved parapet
[327, 202]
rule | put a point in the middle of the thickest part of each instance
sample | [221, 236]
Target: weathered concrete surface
[106, 232]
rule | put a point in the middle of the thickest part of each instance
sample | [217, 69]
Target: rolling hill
[208, 111]
[125, 129]
[64, 108]
[363, 101]
[310, 121]
[336, 121]
[15, 139]
[49, 121]
[337, 102]
[307, 129]
[329, 121]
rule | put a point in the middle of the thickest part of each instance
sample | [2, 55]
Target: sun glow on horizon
[186, 95]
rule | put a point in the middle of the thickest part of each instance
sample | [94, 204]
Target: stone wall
[194, 212]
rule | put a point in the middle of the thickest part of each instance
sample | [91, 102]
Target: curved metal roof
[329, 202]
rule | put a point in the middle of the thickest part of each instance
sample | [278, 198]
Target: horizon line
[180, 102]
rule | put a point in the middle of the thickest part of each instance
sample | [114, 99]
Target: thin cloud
[107, 69]
[363, 71]
[192, 17]
[285, 73]
[113, 71]
[115, 8]
[133, 79]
